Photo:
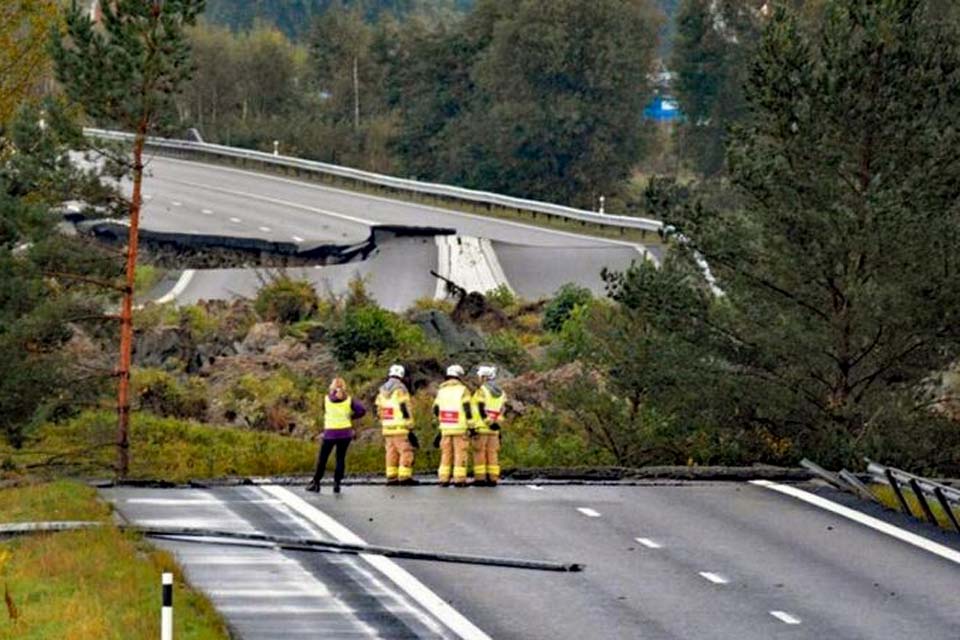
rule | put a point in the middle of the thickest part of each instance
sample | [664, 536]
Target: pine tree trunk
[126, 313]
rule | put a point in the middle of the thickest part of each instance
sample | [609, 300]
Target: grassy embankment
[87, 585]
[886, 496]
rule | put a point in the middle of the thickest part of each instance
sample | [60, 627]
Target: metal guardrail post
[947, 507]
[896, 490]
[922, 499]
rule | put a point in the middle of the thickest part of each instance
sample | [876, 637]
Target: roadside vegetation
[87, 585]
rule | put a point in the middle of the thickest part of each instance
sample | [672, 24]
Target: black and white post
[166, 615]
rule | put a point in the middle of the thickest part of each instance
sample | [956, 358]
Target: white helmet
[396, 371]
[488, 372]
[455, 371]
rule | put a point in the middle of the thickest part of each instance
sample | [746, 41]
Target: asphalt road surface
[195, 198]
[720, 560]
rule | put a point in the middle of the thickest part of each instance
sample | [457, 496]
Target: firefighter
[453, 411]
[396, 421]
[488, 404]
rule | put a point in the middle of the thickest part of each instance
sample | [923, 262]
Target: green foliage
[838, 260]
[273, 402]
[162, 394]
[501, 297]
[365, 330]
[506, 348]
[563, 303]
[286, 300]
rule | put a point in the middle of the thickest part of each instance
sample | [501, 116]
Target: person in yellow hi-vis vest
[339, 412]
[396, 420]
[488, 405]
[452, 409]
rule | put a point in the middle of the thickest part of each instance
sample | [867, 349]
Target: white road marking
[878, 525]
[648, 543]
[193, 501]
[534, 487]
[412, 205]
[433, 603]
[320, 592]
[785, 617]
[177, 203]
[714, 577]
[146, 197]
[236, 220]
[264, 229]
[206, 212]
[590, 513]
[182, 283]
[297, 239]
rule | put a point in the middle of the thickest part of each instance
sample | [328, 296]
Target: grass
[160, 448]
[88, 585]
[885, 494]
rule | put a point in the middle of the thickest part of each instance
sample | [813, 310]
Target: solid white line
[714, 578]
[868, 521]
[590, 513]
[297, 239]
[429, 600]
[785, 617]
[236, 220]
[534, 487]
[405, 203]
[185, 278]
[648, 543]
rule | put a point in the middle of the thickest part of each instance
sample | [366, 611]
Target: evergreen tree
[126, 74]
[839, 272]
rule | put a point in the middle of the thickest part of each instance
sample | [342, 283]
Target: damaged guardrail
[414, 187]
[921, 487]
[290, 543]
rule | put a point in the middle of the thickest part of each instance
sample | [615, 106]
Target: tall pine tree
[125, 73]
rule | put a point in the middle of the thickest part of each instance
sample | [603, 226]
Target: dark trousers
[325, 447]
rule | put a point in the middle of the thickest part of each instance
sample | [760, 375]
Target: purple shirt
[357, 410]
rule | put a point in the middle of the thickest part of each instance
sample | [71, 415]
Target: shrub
[161, 393]
[364, 330]
[567, 298]
[501, 297]
[286, 300]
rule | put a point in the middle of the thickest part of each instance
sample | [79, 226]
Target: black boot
[314, 486]
[336, 487]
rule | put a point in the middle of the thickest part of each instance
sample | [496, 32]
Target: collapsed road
[685, 560]
[186, 200]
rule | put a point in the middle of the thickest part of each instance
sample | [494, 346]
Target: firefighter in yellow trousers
[452, 409]
[396, 420]
[488, 404]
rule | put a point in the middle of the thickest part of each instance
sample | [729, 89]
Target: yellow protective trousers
[399, 457]
[486, 457]
[453, 458]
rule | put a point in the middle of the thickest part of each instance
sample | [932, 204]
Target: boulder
[437, 325]
[261, 337]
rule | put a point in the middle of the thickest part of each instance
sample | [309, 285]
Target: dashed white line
[206, 212]
[177, 203]
[297, 239]
[649, 544]
[236, 220]
[590, 513]
[785, 617]
[147, 197]
[534, 487]
[715, 578]
[265, 229]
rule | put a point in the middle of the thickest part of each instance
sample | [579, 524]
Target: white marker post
[166, 615]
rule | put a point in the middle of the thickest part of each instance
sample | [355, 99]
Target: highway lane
[719, 560]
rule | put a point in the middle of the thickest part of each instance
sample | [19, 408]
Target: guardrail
[921, 488]
[413, 187]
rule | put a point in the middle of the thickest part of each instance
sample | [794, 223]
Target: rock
[261, 336]
[155, 347]
[287, 349]
[441, 327]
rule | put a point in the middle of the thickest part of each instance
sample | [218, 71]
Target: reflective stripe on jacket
[492, 404]
[390, 412]
[336, 415]
[451, 397]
